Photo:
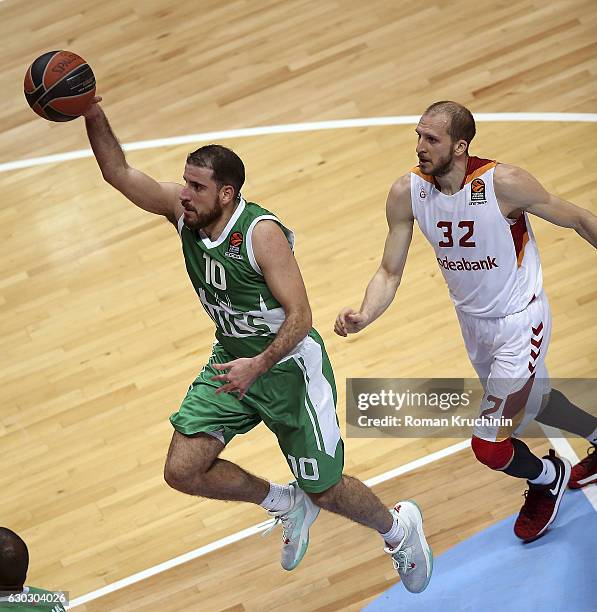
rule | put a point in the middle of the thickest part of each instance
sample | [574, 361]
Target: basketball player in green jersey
[268, 364]
[14, 563]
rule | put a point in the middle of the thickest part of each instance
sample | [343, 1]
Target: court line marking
[560, 444]
[292, 128]
[255, 529]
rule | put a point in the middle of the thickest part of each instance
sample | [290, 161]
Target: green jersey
[32, 599]
[230, 284]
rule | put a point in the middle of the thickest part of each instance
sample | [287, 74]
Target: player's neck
[452, 182]
[214, 231]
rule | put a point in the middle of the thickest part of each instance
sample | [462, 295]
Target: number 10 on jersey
[214, 273]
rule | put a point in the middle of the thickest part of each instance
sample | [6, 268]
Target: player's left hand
[238, 375]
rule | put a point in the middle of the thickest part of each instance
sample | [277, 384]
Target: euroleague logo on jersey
[234, 244]
[477, 192]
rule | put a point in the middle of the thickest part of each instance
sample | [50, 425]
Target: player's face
[435, 148]
[200, 198]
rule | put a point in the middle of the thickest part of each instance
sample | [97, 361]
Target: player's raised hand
[93, 107]
[350, 321]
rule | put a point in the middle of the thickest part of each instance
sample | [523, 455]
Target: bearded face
[435, 148]
[200, 198]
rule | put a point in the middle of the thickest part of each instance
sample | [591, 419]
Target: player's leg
[558, 411]
[309, 436]
[513, 393]
[193, 467]
[204, 424]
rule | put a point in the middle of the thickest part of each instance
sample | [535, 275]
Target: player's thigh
[297, 400]
[518, 378]
[191, 454]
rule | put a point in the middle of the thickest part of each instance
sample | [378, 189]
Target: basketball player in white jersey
[474, 213]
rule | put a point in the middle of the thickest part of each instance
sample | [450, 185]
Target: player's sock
[278, 498]
[560, 412]
[524, 464]
[548, 473]
[394, 536]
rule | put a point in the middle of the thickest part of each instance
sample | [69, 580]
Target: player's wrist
[262, 363]
[365, 317]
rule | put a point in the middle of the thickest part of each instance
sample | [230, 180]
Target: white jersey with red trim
[490, 263]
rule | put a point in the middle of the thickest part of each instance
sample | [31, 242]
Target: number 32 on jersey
[465, 233]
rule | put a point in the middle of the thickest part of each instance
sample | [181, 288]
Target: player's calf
[401, 527]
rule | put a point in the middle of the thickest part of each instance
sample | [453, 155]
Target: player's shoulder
[508, 174]
[268, 232]
[267, 227]
[401, 185]
[510, 180]
[398, 205]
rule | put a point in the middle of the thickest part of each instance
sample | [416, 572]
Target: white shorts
[508, 354]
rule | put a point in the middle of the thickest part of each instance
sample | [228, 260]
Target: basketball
[59, 85]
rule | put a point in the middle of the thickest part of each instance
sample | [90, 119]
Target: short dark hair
[462, 123]
[14, 559]
[227, 166]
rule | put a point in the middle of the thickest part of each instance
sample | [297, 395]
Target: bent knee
[495, 455]
[182, 480]
[174, 476]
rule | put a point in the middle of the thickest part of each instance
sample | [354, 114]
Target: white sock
[394, 536]
[593, 437]
[548, 474]
[278, 498]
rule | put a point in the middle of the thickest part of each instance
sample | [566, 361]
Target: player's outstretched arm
[139, 188]
[382, 287]
[517, 190]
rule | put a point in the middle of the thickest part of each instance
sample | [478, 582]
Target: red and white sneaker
[542, 502]
[585, 472]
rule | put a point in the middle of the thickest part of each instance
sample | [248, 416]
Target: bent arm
[139, 188]
[386, 280]
[284, 280]
[518, 190]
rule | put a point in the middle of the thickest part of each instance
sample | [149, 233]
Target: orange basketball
[59, 85]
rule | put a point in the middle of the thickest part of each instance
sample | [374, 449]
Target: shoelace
[279, 520]
[402, 562]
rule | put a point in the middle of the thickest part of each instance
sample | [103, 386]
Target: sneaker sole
[582, 482]
[426, 549]
[565, 482]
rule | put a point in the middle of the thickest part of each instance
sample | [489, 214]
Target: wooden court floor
[100, 333]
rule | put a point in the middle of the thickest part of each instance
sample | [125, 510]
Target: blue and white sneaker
[295, 526]
[412, 558]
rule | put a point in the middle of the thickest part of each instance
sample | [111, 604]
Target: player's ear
[460, 147]
[227, 194]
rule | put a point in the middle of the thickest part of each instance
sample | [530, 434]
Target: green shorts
[296, 399]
